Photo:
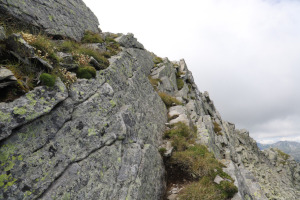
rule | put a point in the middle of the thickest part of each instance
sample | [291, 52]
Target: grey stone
[91, 145]
[67, 58]
[39, 62]
[2, 34]
[100, 47]
[69, 18]
[18, 45]
[69, 67]
[95, 64]
[218, 179]
[6, 77]
[34, 104]
[129, 41]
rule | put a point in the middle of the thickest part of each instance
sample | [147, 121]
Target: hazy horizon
[244, 53]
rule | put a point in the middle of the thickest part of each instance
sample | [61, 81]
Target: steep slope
[291, 148]
[99, 138]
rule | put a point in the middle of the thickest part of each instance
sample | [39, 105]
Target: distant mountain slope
[291, 148]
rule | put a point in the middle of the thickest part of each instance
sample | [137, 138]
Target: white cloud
[245, 53]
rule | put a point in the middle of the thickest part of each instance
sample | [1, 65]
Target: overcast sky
[245, 53]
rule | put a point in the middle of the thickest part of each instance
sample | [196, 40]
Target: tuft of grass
[181, 135]
[168, 99]
[25, 75]
[228, 189]
[87, 72]
[157, 60]
[217, 128]
[196, 161]
[95, 54]
[47, 79]
[162, 151]
[68, 46]
[44, 46]
[91, 37]
[283, 155]
[154, 82]
[206, 189]
[112, 46]
[180, 83]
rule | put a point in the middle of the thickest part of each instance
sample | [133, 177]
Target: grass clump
[181, 135]
[162, 151]
[206, 189]
[91, 37]
[180, 83]
[283, 155]
[154, 82]
[86, 72]
[168, 99]
[217, 128]
[47, 79]
[196, 161]
[44, 47]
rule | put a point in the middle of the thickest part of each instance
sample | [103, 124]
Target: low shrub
[47, 79]
[180, 83]
[87, 72]
[168, 99]
[91, 37]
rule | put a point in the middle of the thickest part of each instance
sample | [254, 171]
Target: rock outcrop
[99, 138]
[69, 18]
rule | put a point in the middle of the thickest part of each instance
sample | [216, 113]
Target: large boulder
[69, 18]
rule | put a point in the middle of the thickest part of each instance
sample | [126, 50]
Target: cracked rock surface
[69, 18]
[97, 140]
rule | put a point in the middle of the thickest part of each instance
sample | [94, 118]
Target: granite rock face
[69, 18]
[97, 140]
[258, 175]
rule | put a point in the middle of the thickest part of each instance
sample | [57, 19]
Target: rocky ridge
[68, 18]
[99, 138]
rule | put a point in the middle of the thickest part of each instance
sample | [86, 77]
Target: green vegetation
[180, 83]
[90, 37]
[154, 82]
[208, 190]
[217, 128]
[283, 155]
[162, 151]
[168, 99]
[87, 72]
[47, 79]
[44, 46]
[157, 60]
[181, 135]
[195, 163]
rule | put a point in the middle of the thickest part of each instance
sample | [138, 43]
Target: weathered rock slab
[69, 18]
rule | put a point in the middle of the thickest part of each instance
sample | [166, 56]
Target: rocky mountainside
[98, 134]
[291, 148]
